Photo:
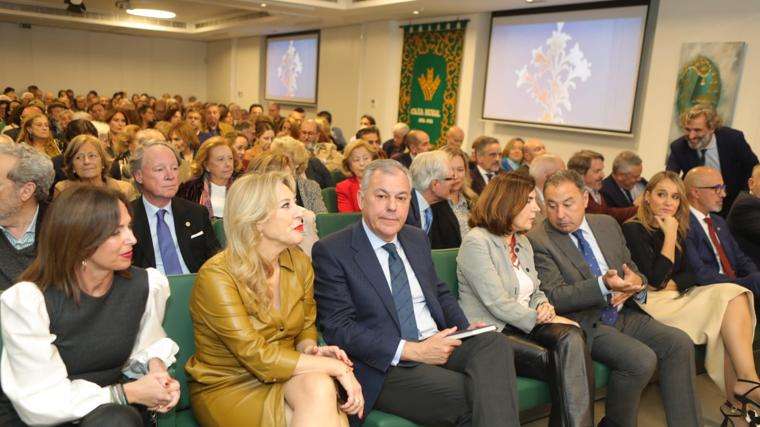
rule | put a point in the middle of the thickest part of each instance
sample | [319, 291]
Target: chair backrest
[337, 176]
[331, 199]
[219, 232]
[445, 262]
[331, 222]
[179, 327]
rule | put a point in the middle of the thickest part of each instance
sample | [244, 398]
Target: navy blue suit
[703, 261]
[355, 305]
[736, 161]
[614, 195]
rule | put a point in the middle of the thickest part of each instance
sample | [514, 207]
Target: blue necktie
[166, 246]
[428, 219]
[608, 313]
[402, 295]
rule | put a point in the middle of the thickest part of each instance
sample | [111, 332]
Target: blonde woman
[253, 309]
[308, 193]
[512, 156]
[357, 156]
[461, 197]
[35, 131]
[213, 172]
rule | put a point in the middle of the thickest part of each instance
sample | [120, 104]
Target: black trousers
[556, 353]
[476, 387]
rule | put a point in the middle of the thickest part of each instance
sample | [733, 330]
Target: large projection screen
[569, 68]
[292, 68]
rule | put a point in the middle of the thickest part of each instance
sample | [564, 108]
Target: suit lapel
[182, 226]
[367, 261]
[606, 245]
[571, 251]
[141, 229]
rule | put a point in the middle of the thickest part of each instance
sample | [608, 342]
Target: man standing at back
[707, 143]
[381, 301]
[587, 273]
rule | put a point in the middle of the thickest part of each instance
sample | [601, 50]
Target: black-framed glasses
[716, 188]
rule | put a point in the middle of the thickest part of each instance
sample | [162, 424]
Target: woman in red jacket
[356, 157]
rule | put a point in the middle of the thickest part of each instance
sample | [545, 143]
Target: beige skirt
[699, 313]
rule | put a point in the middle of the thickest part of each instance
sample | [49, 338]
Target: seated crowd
[103, 198]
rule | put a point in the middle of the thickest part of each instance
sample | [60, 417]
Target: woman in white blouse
[498, 284]
[81, 330]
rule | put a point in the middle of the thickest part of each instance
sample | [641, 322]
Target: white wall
[57, 58]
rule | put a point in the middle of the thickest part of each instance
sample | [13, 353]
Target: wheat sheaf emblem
[429, 84]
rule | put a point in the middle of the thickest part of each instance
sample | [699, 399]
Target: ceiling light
[152, 13]
[416, 12]
[75, 6]
[263, 5]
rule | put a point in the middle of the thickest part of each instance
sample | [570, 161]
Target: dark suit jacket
[736, 161]
[15, 265]
[317, 171]
[613, 195]
[356, 310]
[621, 215]
[444, 230]
[478, 183]
[189, 220]
[566, 277]
[413, 217]
[702, 257]
[405, 159]
[744, 221]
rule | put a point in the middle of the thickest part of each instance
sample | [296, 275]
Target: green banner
[430, 70]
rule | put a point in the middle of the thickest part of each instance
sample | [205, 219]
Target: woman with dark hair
[183, 137]
[720, 315]
[117, 120]
[366, 121]
[147, 116]
[85, 161]
[498, 283]
[212, 173]
[82, 334]
[263, 140]
[256, 359]
[5, 110]
[173, 114]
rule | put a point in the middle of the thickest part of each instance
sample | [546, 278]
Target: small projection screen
[571, 66]
[292, 68]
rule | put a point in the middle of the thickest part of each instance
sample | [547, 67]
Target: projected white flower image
[551, 74]
[290, 69]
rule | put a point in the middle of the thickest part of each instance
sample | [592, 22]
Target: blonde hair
[294, 149]
[470, 195]
[645, 216]
[711, 116]
[199, 162]
[250, 201]
[350, 148]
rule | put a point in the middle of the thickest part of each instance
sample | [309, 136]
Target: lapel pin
[187, 223]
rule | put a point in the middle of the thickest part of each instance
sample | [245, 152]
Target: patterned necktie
[513, 253]
[428, 219]
[402, 295]
[608, 313]
[724, 261]
[166, 246]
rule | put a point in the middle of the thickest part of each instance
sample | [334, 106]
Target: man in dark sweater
[26, 176]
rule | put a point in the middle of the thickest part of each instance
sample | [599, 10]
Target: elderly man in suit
[544, 166]
[381, 301]
[431, 179]
[744, 218]
[488, 162]
[417, 142]
[590, 165]
[587, 273]
[710, 248]
[625, 183]
[707, 143]
[173, 235]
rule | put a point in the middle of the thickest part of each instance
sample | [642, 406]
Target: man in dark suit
[710, 248]
[416, 141]
[488, 162]
[587, 273]
[707, 143]
[381, 301]
[625, 183]
[431, 179]
[744, 218]
[173, 234]
[590, 165]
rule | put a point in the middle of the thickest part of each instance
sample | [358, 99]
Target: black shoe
[749, 411]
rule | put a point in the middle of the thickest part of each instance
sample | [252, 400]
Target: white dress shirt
[152, 211]
[426, 325]
[217, 193]
[712, 158]
[701, 219]
[603, 267]
[423, 204]
[33, 374]
[484, 173]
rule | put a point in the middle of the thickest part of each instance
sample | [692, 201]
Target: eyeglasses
[718, 188]
[89, 156]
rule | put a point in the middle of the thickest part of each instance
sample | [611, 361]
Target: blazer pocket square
[200, 233]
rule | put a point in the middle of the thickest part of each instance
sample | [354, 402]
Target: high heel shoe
[749, 411]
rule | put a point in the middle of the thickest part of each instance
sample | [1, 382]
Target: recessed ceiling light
[416, 12]
[528, 1]
[263, 5]
[152, 13]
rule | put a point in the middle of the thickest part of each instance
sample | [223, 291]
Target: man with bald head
[544, 166]
[711, 249]
[455, 137]
[315, 169]
[744, 217]
[416, 141]
[532, 149]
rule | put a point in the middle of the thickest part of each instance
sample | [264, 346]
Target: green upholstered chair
[219, 232]
[330, 199]
[445, 262]
[337, 176]
[331, 222]
[179, 327]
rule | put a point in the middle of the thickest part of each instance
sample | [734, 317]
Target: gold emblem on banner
[429, 84]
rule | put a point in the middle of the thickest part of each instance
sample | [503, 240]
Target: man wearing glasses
[707, 143]
[430, 209]
[711, 250]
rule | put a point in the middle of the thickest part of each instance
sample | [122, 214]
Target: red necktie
[727, 268]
